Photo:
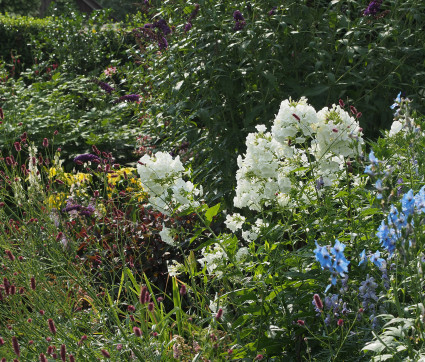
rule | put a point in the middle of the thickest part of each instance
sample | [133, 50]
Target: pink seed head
[45, 142]
[137, 331]
[318, 301]
[71, 358]
[105, 353]
[63, 353]
[32, 283]
[10, 255]
[144, 295]
[42, 358]
[52, 326]
[15, 345]
[183, 290]
[151, 307]
[219, 314]
[83, 338]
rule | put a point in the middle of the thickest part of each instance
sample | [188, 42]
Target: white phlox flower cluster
[301, 140]
[175, 268]
[254, 232]
[235, 221]
[167, 236]
[213, 257]
[162, 177]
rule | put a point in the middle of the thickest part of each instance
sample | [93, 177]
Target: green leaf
[56, 76]
[370, 211]
[211, 212]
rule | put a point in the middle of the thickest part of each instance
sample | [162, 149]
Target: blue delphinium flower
[368, 170]
[372, 158]
[383, 231]
[337, 265]
[387, 237]
[323, 256]
[338, 249]
[379, 188]
[393, 215]
[367, 292]
[363, 257]
[341, 265]
[375, 259]
[420, 200]
[408, 203]
[397, 101]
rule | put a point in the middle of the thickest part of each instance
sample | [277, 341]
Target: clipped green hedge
[16, 33]
[20, 7]
[79, 43]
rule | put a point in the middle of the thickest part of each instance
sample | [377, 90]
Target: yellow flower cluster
[80, 181]
[120, 175]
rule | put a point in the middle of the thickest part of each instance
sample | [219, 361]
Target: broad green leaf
[211, 212]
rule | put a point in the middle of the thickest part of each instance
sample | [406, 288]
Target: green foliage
[81, 112]
[20, 7]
